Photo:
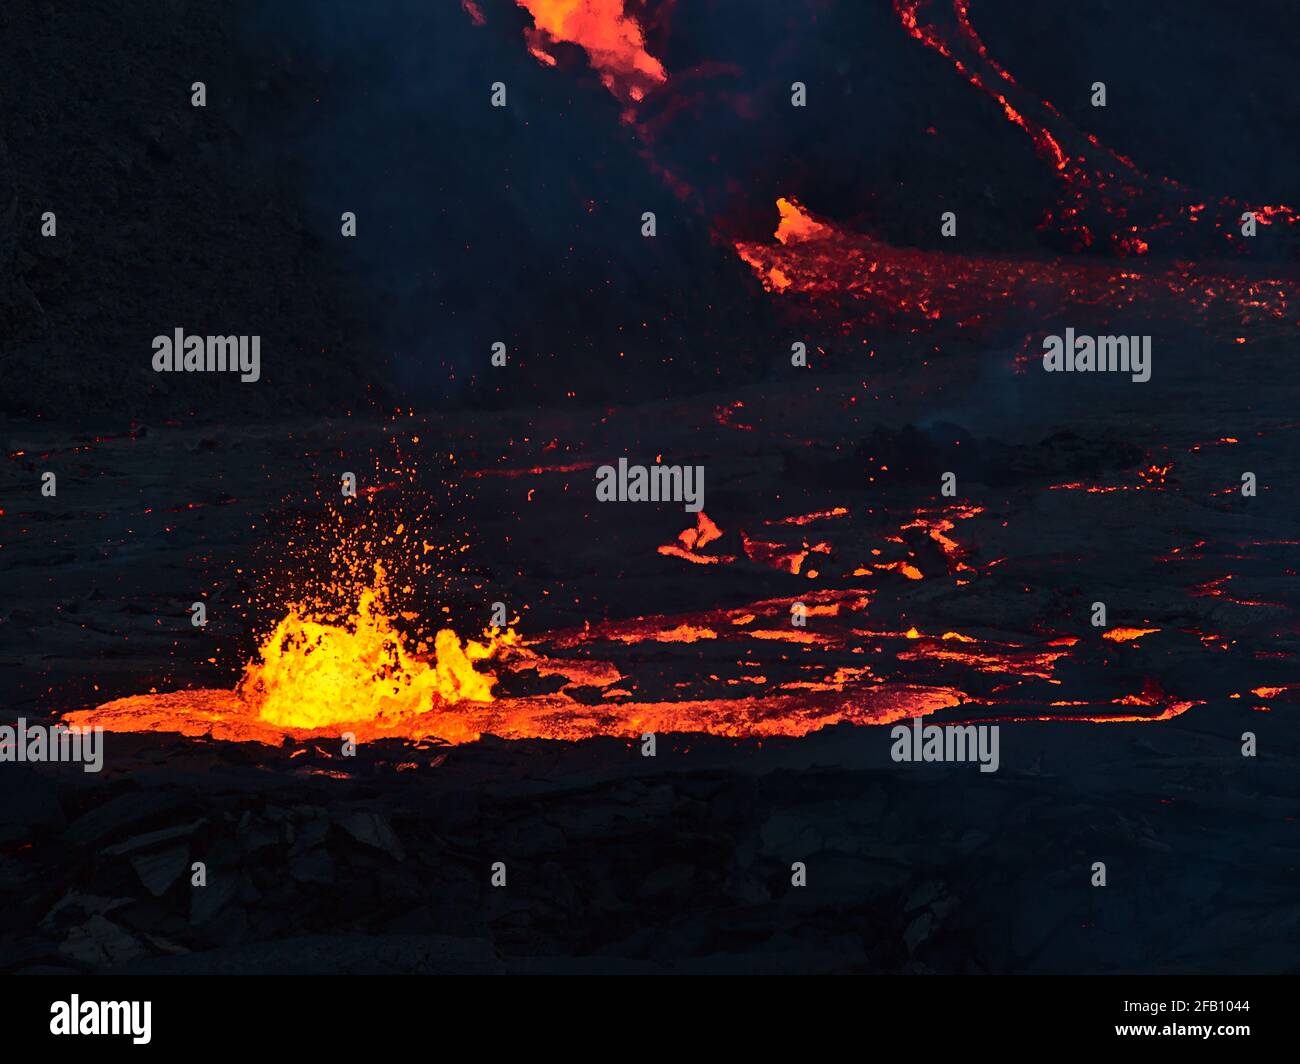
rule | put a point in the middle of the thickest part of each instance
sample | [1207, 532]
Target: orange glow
[314, 673]
[808, 519]
[1000, 658]
[704, 532]
[906, 568]
[1102, 188]
[1126, 635]
[862, 280]
[222, 715]
[690, 541]
[683, 633]
[613, 41]
[786, 559]
[367, 667]
[797, 225]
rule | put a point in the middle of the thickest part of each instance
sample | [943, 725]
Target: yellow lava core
[314, 673]
[322, 673]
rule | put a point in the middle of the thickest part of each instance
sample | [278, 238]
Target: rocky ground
[823, 484]
[619, 863]
[682, 862]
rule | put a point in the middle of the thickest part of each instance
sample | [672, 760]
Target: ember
[316, 671]
[313, 674]
[437, 590]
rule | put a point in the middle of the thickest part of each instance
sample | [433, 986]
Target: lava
[691, 541]
[797, 225]
[1103, 190]
[346, 658]
[871, 282]
[613, 41]
[1126, 635]
[313, 673]
[1106, 199]
[320, 675]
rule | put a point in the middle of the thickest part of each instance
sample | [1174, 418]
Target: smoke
[476, 224]
[522, 224]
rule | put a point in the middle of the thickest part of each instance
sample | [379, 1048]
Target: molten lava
[863, 280]
[344, 660]
[612, 40]
[1107, 200]
[317, 672]
[797, 225]
[314, 674]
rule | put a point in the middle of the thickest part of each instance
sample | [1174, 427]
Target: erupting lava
[317, 671]
[314, 674]
[320, 675]
[612, 40]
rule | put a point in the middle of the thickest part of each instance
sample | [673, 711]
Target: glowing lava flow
[691, 541]
[612, 40]
[1108, 199]
[318, 680]
[316, 672]
[869, 281]
[320, 675]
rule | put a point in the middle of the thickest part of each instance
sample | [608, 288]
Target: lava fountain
[321, 675]
[318, 672]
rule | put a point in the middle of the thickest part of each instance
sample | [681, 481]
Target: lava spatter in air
[742, 672]
[313, 673]
[316, 670]
[319, 678]
[370, 665]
